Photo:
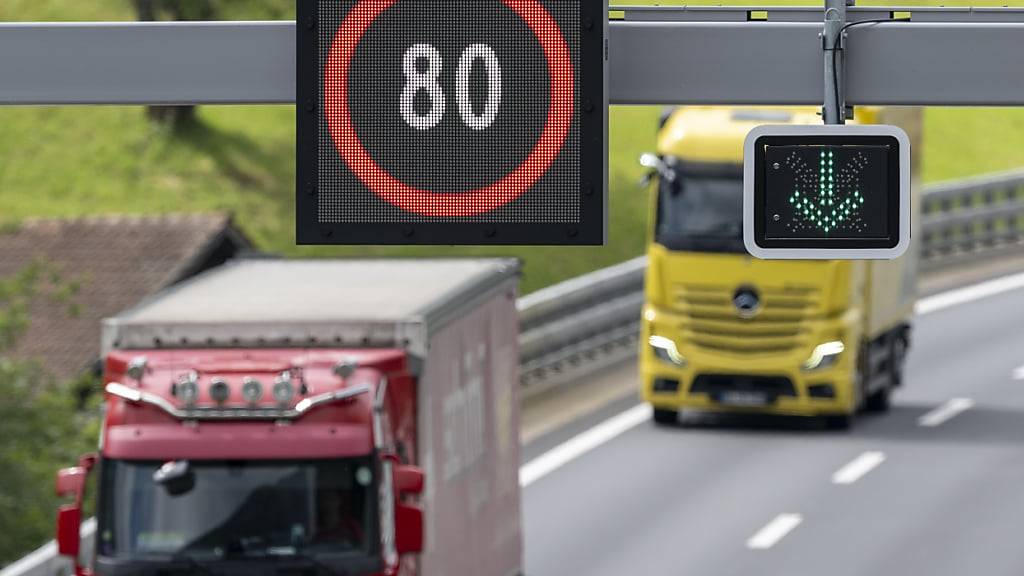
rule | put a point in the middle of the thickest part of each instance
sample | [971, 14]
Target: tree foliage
[43, 425]
[179, 117]
[214, 9]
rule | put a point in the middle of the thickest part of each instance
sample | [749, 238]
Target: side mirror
[87, 461]
[648, 161]
[651, 161]
[408, 529]
[69, 523]
[71, 482]
[408, 479]
[655, 165]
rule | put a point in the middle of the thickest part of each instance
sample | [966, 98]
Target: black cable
[841, 110]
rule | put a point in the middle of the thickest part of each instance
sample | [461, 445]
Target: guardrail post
[947, 232]
[1016, 222]
[991, 224]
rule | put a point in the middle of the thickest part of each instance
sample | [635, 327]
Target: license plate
[743, 398]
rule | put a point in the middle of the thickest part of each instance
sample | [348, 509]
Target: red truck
[310, 417]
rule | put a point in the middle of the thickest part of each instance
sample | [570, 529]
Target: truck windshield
[236, 509]
[701, 211]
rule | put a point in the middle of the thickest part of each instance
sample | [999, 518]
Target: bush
[43, 426]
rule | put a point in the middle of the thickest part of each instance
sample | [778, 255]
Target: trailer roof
[282, 300]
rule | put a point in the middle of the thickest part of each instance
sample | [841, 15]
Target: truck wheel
[861, 378]
[879, 401]
[898, 360]
[664, 417]
[839, 421]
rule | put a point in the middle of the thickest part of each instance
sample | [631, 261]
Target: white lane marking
[945, 412]
[582, 443]
[969, 294]
[1018, 374]
[774, 531]
[858, 467]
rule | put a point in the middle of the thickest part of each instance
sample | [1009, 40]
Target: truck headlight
[665, 350]
[252, 390]
[824, 355]
[186, 389]
[283, 390]
[219, 390]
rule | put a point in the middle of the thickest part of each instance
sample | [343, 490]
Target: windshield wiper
[311, 561]
[687, 243]
[190, 564]
[295, 560]
[735, 229]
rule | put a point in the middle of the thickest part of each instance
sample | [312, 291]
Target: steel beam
[814, 14]
[897, 63]
[147, 63]
[936, 64]
[715, 63]
[945, 57]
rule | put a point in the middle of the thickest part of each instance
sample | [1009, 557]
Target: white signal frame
[818, 131]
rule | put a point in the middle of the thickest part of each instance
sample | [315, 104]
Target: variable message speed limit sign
[451, 122]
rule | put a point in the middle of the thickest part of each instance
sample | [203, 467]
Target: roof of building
[116, 261]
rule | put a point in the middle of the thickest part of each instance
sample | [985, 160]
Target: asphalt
[946, 499]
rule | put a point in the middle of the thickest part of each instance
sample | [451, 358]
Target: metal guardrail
[576, 320]
[972, 216]
[593, 319]
[44, 561]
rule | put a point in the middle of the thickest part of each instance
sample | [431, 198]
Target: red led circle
[451, 204]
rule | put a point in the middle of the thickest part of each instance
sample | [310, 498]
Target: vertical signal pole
[834, 111]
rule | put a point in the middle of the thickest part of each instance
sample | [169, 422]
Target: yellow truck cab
[725, 332]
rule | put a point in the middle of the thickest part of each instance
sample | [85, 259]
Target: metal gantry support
[834, 110]
[657, 55]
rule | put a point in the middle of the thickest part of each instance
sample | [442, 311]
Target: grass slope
[67, 161]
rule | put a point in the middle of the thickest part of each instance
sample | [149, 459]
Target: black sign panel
[826, 192]
[451, 122]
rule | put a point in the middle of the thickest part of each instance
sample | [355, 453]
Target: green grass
[121, 10]
[67, 161]
[966, 141]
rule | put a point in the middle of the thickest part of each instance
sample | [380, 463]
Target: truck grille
[772, 386]
[712, 321]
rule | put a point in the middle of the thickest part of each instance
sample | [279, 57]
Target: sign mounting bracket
[833, 44]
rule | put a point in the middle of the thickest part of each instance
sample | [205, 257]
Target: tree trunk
[152, 10]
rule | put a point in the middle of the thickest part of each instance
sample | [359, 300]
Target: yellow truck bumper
[732, 378]
[767, 384]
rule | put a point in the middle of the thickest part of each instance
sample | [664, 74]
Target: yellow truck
[725, 332]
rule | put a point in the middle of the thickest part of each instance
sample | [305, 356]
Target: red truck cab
[247, 456]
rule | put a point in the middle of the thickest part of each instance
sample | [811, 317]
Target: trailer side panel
[469, 443]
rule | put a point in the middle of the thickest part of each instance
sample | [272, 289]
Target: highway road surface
[935, 486]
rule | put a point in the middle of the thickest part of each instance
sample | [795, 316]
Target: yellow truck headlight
[665, 350]
[824, 355]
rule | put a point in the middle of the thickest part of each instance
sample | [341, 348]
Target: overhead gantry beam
[941, 57]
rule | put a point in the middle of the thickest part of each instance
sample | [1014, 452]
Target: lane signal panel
[826, 192]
